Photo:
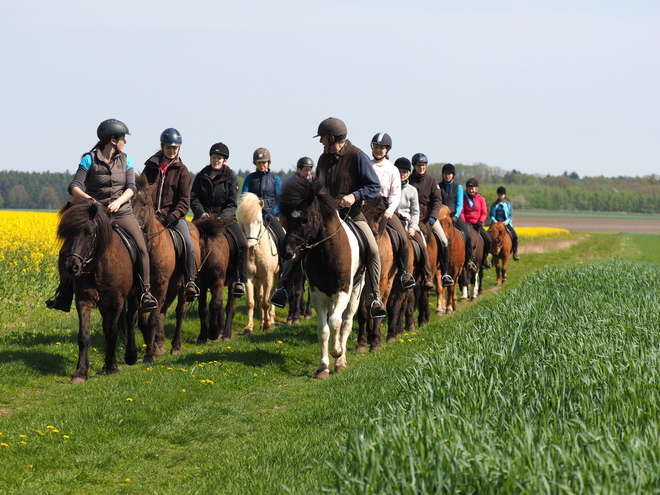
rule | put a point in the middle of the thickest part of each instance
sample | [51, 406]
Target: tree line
[48, 190]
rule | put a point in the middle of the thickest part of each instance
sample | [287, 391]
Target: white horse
[263, 262]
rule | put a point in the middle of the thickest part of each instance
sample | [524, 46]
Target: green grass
[251, 419]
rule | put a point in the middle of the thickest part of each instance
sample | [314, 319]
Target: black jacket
[215, 196]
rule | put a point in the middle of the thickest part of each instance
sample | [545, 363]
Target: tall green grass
[553, 389]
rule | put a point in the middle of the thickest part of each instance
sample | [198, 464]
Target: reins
[312, 246]
[86, 260]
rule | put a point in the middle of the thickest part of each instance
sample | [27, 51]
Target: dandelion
[4, 444]
[50, 427]
[66, 436]
[183, 390]
[24, 443]
[129, 399]
[280, 342]
[55, 430]
[40, 432]
[256, 374]
[22, 436]
[401, 340]
[127, 480]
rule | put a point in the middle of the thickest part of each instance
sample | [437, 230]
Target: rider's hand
[170, 220]
[479, 225]
[388, 214]
[347, 201]
[114, 206]
[411, 232]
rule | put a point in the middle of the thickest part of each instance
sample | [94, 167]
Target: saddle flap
[395, 238]
[129, 242]
[362, 240]
[179, 243]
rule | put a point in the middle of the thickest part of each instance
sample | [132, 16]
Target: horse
[217, 270]
[329, 252]
[447, 295]
[167, 273]
[500, 249]
[263, 260]
[369, 328]
[401, 302]
[474, 278]
[432, 252]
[94, 258]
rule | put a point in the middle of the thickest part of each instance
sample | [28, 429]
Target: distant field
[589, 222]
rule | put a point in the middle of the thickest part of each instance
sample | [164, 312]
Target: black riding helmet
[472, 182]
[403, 164]
[305, 161]
[219, 149]
[501, 190]
[383, 139]
[111, 128]
[449, 168]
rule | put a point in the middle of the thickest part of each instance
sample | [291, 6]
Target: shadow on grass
[46, 363]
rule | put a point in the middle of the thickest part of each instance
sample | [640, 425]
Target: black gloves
[479, 225]
[170, 220]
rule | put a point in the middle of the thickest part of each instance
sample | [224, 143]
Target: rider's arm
[278, 194]
[370, 185]
[459, 201]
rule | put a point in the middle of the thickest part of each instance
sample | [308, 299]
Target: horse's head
[496, 232]
[374, 211]
[142, 203]
[250, 218]
[307, 209]
[85, 231]
[444, 217]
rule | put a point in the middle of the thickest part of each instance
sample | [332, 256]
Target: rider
[430, 197]
[268, 187]
[409, 212]
[474, 213]
[108, 176]
[304, 169]
[214, 193]
[452, 196]
[502, 211]
[171, 196]
[349, 177]
[390, 189]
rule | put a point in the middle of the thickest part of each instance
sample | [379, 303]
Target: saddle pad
[362, 240]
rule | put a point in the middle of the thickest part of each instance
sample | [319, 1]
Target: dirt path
[576, 224]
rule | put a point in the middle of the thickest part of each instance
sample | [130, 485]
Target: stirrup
[147, 302]
[471, 266]
[410, 283]
[238, 289]
[447, 281]
[487, 264]
[279, 297]
[516, 257]
[192, 291]
[379, 311]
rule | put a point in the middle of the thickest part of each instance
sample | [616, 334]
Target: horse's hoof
[361, 348]
[78, 379]
[160, 350]
[200, 342]
[295, 321]
[463, 299]
[247, 331]
[214, 335]
[175, 352]
[335, 353]
[322, 375]
[288, 321]
[130, 358]
[439, 312]
[390, 340]
[374, 348]
[339, 368]
[148, 359]
[226, 339]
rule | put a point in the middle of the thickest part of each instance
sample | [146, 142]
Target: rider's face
[472, 191]
[170, 152]
[378, 151]
[217, 161]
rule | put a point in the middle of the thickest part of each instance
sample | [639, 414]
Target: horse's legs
[216, 311]
[110, 333]
[129, 319]
[249, 304]
[203, 311]
[320, 302]
[181, 309]
[363, 319]
[154, 324]
[229, 316]
[84, 312]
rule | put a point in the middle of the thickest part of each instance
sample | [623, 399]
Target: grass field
[548, 385]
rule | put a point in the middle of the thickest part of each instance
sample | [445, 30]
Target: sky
[538, 86]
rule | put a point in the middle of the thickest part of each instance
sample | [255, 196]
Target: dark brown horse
[167, 273]
[329, 252]
[471, 277]
[500, 249]
[432, 252]
[94, 258]
[216, 271]
[447, 295]
[369, 328]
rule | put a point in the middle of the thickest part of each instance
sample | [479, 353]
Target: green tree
[48, 198]
[18, 197]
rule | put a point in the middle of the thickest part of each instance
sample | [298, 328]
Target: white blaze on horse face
[295, 214]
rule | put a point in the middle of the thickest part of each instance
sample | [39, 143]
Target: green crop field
[548, 385]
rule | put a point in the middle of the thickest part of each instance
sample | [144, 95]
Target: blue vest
[263, 185]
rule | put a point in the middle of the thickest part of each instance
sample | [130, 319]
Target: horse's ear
[261, 203]
[93, 211]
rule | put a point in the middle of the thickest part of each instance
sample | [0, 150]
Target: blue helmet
[170, 137]
[419, 158]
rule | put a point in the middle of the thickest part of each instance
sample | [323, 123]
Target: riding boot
[192, 291]
[469, 251]
[407, 280]
[514, 246]
[447, 281]
[427, 273]
[280, 297]
[147, 302]
[63, 296]
[238, 287]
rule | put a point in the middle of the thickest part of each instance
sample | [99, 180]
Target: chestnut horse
[500, 249]
[263, 261]
[447, 295]
[329, 252]
[474, 278]
[94, 258]
[216, 271]
[167, 273]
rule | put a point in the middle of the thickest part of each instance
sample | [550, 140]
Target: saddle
[234, 245]
[417, 249]
[395, 238]
[129, 242]
[363, 244]
[179, 244]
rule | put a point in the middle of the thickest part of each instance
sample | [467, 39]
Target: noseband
[87, 259]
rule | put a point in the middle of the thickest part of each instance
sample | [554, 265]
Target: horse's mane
[444, 212]
[77, 213]
[210, 227]
[373, 210]
[299, 193]
[249, 208]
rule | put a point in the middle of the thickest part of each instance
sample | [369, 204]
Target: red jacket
[474, 209]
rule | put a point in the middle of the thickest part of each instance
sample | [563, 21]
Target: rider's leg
[280, 297]
[238, 288]
[514, 241]
[487, 245]
[372, 283]
[146, 300]
[192, 291]
[463, 227]
[407, 280]
[443, 252]
[64, 292]
[427, 273]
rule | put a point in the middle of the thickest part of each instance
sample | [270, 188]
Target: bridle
[87, 259]
[306, 242]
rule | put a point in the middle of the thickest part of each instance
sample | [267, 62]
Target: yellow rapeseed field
[538, 233]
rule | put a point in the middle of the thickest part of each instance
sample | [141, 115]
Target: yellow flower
[183, 390]
[40, 432]
[129, 399]
[280, 342]
[50, 427]
[4, 444]
[66, 436]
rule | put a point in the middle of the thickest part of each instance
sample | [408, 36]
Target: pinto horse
[263, 260]
[329, 252]
[500, 249]
[474, 278]
[167, 273]
[447, 295]
[94, 258]
[216, 271]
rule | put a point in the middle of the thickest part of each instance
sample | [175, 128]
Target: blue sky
[538, 86]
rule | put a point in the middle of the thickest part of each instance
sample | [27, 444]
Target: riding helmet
[219, 149]
[449, 168]
[501, 190]
[170, 137]
[305, 161]
[419, 158]
[111, 128]
[332, 127]
[403, 164]
[260, 154]
[472, 182]
[383, 139]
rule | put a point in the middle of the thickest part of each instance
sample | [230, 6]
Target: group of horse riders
[346, 172]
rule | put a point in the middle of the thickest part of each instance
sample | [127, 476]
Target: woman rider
[214, 194]
[108, 177]
[171, 196]
[268, 187]
[474, 213]
[502, 211]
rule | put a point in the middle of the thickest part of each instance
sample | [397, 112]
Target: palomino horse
[94, 258]
[447, 295]
[474, 278]
[167, 273]
[369, 328]
[263, 260]
[330, 257]
[500, 249]
[216, 271]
